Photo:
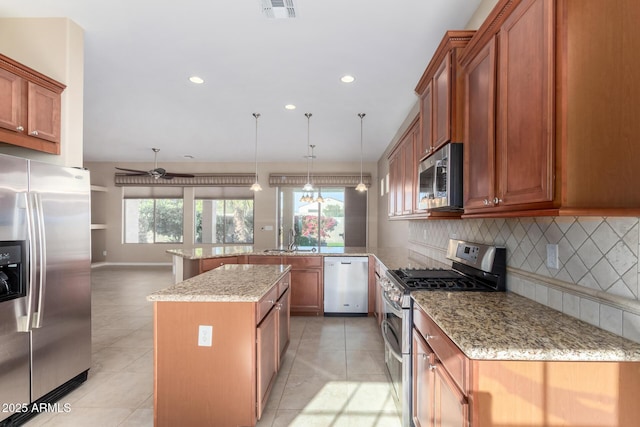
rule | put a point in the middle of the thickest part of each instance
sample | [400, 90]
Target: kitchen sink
[289, 251]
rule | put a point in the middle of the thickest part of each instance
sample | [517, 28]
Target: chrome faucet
[292, 240]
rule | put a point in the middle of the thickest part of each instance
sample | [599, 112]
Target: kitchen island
[218, 342]
[499, 359]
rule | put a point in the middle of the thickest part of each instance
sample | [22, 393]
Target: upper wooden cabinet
[549, 100]
[440, 90]
[403, 170]
[30, 106]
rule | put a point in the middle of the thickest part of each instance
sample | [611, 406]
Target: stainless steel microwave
[440, 177]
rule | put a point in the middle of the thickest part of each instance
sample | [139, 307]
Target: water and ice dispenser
[12, 269]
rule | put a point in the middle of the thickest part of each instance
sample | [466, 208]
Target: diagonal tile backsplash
[597, 275]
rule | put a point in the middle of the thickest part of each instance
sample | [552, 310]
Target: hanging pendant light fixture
[308, 186]
[361, 186]
[256, 185]
[319, 199]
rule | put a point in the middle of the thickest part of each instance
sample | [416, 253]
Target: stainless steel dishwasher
[346, 286]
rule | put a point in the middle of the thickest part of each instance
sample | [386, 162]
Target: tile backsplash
[597, 275]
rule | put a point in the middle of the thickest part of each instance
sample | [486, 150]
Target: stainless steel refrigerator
[45, 288]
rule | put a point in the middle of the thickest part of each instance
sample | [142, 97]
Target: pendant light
[319, 199]
[256, 185]
[361, 186]
[308, 186]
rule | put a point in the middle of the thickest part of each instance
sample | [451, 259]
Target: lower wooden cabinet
[284, 319]
[268, 356]
[437, 400]
[307, 288]
[229, 382]
[451, 390]
[207, 264]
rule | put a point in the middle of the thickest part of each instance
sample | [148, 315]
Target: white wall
[54, 47]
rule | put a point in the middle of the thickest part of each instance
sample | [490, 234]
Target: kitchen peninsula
[218, 343]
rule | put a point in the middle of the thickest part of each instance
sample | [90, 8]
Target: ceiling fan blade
[178, 175]
[134, 170]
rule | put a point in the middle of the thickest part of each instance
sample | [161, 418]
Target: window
[224, 221]
[339, 221]
[151, 220]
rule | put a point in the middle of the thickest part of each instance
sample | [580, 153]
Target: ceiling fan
[156, 172]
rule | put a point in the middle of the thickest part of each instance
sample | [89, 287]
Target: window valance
[319, 180]
[199, 180]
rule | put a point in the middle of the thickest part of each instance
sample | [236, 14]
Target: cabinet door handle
[432, 367]
[496, 201]
[428, 337]
[19, 128]
[485, 202]
[424, 356]
[34, 133]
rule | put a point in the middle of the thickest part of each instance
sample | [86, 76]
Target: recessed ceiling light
[197, 80]
[347, 79]
[290, 107]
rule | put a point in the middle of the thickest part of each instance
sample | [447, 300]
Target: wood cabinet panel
[264, 259]
[395, 184]
[479, 140]
[30, 107]
[212, 263]
[188, 378]
[426, 122]
[525, 121]
[266, 303]
[229, 382]
[451, 408]
[455, 362]
[440, 89]
[556, 117]
[509, 138]
[43, 109]
[303, 261]
[534, 393]
[306, 291]
[409, 171]
[10, 100]
[403, 172]
[284, 320]
[442, 103]
[423, 389]
[267, 357]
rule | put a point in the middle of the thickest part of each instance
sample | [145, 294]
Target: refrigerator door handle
[24, 322]
[42, 261]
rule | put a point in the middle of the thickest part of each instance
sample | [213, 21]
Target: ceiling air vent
[278, 9]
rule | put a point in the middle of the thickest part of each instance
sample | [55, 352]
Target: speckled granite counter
[392, 258]
[506, 326]
[229, 283]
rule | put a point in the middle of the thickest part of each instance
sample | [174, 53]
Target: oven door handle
[385, 326]
[392, 306]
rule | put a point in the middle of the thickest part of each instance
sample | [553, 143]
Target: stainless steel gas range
[475, 267]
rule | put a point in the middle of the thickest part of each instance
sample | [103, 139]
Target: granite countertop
[507, 326]
[229, 283]
[392, 258]
[222, 251]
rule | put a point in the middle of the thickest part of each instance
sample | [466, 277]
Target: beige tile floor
[332, 373]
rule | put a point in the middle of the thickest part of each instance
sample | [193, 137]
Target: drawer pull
[19, 128]
[432, 367]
